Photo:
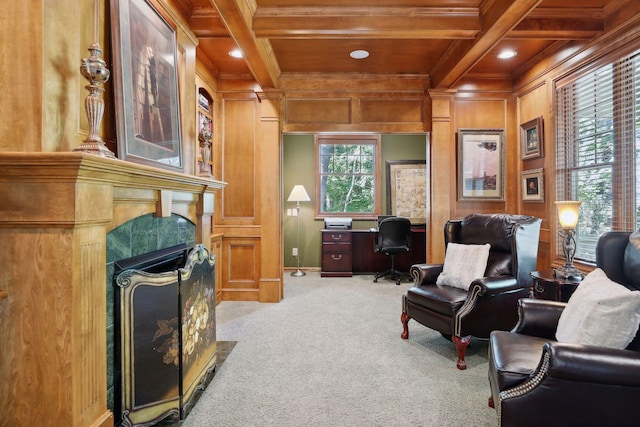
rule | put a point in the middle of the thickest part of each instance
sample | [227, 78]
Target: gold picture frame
[146, 84]
[407, 189]
[532, 139]
[533, 185]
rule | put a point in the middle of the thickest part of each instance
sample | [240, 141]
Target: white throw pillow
[600, 312]
[463, 264]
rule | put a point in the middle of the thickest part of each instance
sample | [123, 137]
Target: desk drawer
[336, 248]
[336, 236]
[336, 262]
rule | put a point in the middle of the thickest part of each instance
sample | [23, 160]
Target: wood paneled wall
[532, 103]
[250, 208]
[392, 104]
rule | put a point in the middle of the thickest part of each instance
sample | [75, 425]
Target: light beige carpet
[330, 354]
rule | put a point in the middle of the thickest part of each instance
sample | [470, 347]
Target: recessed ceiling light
[359, 54]
[236, 53]
[506, 54]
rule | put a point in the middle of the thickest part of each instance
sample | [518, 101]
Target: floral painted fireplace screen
[167, 346]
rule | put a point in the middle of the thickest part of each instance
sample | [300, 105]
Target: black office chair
[394, 237]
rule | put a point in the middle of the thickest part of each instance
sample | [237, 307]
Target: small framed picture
[533, 185]
[532, 139]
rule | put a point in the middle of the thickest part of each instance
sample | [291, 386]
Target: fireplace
[165, 346]
[58, 212]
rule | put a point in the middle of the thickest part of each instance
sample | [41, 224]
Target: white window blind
[597, 143]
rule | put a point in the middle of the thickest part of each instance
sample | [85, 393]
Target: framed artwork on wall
[480, 164]
[146, 85]
[533, 185]
[407, 189]
[532, 139]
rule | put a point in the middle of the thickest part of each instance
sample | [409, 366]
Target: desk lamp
[568, 212]
[298, 194]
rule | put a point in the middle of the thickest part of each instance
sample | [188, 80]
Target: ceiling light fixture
[236, 53]
[359, 54]
[506, 54]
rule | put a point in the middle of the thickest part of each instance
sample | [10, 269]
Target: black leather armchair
[536, 380]
[491, 301]
[394, 237]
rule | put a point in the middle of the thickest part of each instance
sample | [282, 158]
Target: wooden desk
[347, 252]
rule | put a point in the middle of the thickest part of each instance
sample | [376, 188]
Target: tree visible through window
[347, 181]
[598, 139]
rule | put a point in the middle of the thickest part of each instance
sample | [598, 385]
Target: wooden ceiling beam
[553, 27]
[371, 22]
[236, 16]
[207, 23]
[498, 20]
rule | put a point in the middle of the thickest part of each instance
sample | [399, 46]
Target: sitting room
[247, 160]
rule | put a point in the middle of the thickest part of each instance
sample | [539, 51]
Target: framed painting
[533, 185]
[407, 189]
[532, 139]
[480, 164]
[146, 85]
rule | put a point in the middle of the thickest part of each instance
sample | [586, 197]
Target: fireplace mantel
[55, 211]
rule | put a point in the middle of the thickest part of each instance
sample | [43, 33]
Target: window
[598, 139]
[348, 177]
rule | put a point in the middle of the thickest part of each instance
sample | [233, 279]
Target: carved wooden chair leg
[461, 346]
[404, 318]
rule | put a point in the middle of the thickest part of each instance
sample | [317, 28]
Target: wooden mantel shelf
[88, 167]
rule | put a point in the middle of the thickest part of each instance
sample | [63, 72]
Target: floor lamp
[298, 194]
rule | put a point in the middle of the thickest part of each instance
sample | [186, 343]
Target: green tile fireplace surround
[138, 236]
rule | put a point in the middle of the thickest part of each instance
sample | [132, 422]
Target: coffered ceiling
[443, 40]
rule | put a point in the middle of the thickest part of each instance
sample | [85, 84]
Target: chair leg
[490, 402]
[404, 318]
[461, 346]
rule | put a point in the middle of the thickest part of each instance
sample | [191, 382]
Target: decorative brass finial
[95, 70]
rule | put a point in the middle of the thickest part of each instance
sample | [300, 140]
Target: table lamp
[568, 212]
[298, 194]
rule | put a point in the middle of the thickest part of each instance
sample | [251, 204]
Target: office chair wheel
[398, 281]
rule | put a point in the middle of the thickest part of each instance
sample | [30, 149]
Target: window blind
[597, 142]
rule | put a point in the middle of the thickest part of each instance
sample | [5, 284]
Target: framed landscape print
[480, 164]
[146, 85]
[532, 139]
[533, 185]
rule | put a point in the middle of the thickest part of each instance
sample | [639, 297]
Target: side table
[547, 286]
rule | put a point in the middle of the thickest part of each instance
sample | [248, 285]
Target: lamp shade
[298, 194]
[568, 212]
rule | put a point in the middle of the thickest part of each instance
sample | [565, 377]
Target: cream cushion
[463, 264]
[600, 312]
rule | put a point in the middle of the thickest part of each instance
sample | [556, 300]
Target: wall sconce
[298, 194]
[568, 212]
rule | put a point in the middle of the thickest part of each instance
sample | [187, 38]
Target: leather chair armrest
[596, 365]
[425, 273]
[538, 318]
[496, 284]
[588, 385]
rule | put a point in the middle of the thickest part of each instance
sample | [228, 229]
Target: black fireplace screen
[167, 344]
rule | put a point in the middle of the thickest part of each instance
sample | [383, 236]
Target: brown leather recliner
[538, 381]
[491, 301]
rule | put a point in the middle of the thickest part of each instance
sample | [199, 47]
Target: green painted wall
[299, 168]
